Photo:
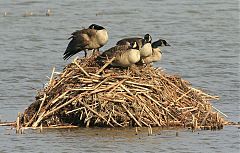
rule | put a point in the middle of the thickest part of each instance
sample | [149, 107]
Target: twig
[43, 100]
[43, 114]
[117, 85]
[151, 115]
[201, 92]
[204, 120]
[104, 89]
[140, 84]
[18, 123]
[51, 78]
[31, 120]
[219, 111]
[125, 88]
[59, 107]
[75, 62]
[59, 97]
[7, 123]
[104, 66]
[130, 114]
[85, 105]
[183, 95]
[159, 105]
[99, 84]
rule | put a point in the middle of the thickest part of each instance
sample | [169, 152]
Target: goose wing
[79, 40]
[127, 41]
[115, 51]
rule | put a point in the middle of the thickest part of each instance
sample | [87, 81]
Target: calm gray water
[205, 50]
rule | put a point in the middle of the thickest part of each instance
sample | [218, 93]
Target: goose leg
[85, 53]
[96, 51]
[93, 51]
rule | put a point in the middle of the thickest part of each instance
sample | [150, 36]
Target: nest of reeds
[89, 94]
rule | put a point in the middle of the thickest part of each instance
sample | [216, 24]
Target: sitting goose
[156, 52]
[143, 43]
[125, 55]
[94, 37]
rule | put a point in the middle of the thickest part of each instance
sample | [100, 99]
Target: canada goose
[125, 55]
[49, 12]
[26, 14]
[94, 37]
[156, 52]
[5, 13]
[143, 43]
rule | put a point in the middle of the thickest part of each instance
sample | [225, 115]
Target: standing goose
[94, 37]
[125, 55]
[143, 43]
[156, 52]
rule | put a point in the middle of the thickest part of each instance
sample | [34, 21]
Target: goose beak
[168, 44]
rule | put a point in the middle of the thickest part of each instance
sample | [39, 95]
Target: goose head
[96, 27]
[147, 38]
[48, 13]
[160, 43]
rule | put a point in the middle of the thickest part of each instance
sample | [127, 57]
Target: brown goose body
[125, 55]
[156, 56]
[156, 52]
[143, 43]
[93, 37]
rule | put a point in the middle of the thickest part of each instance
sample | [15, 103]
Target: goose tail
[71, 50]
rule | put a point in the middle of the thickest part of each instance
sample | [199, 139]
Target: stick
[125, 88]
[96, 75]
[184, 95]
[144, 123]
[44, 98]
[104, 66]
[7, 123]
[159, 105]
[147, 110]
[31, 120]
[59, 107]
[59, 82]
[18, 124]
[130, 114]
[149, 130]
[99, 84]
[81, 89]
[95, 112]
[59, 97]
[151, 115]
[201, 92]
[110, 115]
[183, 108]
[117, 85]
[112, 99]
[75, 62]
[43, 115]
[114, 121]
[219, 111]
[140, 84]
[52, 127]
[100, 90]
[35, 124]
[51, 78]
[139, 88]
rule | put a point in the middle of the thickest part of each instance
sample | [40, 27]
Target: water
[204, 38]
